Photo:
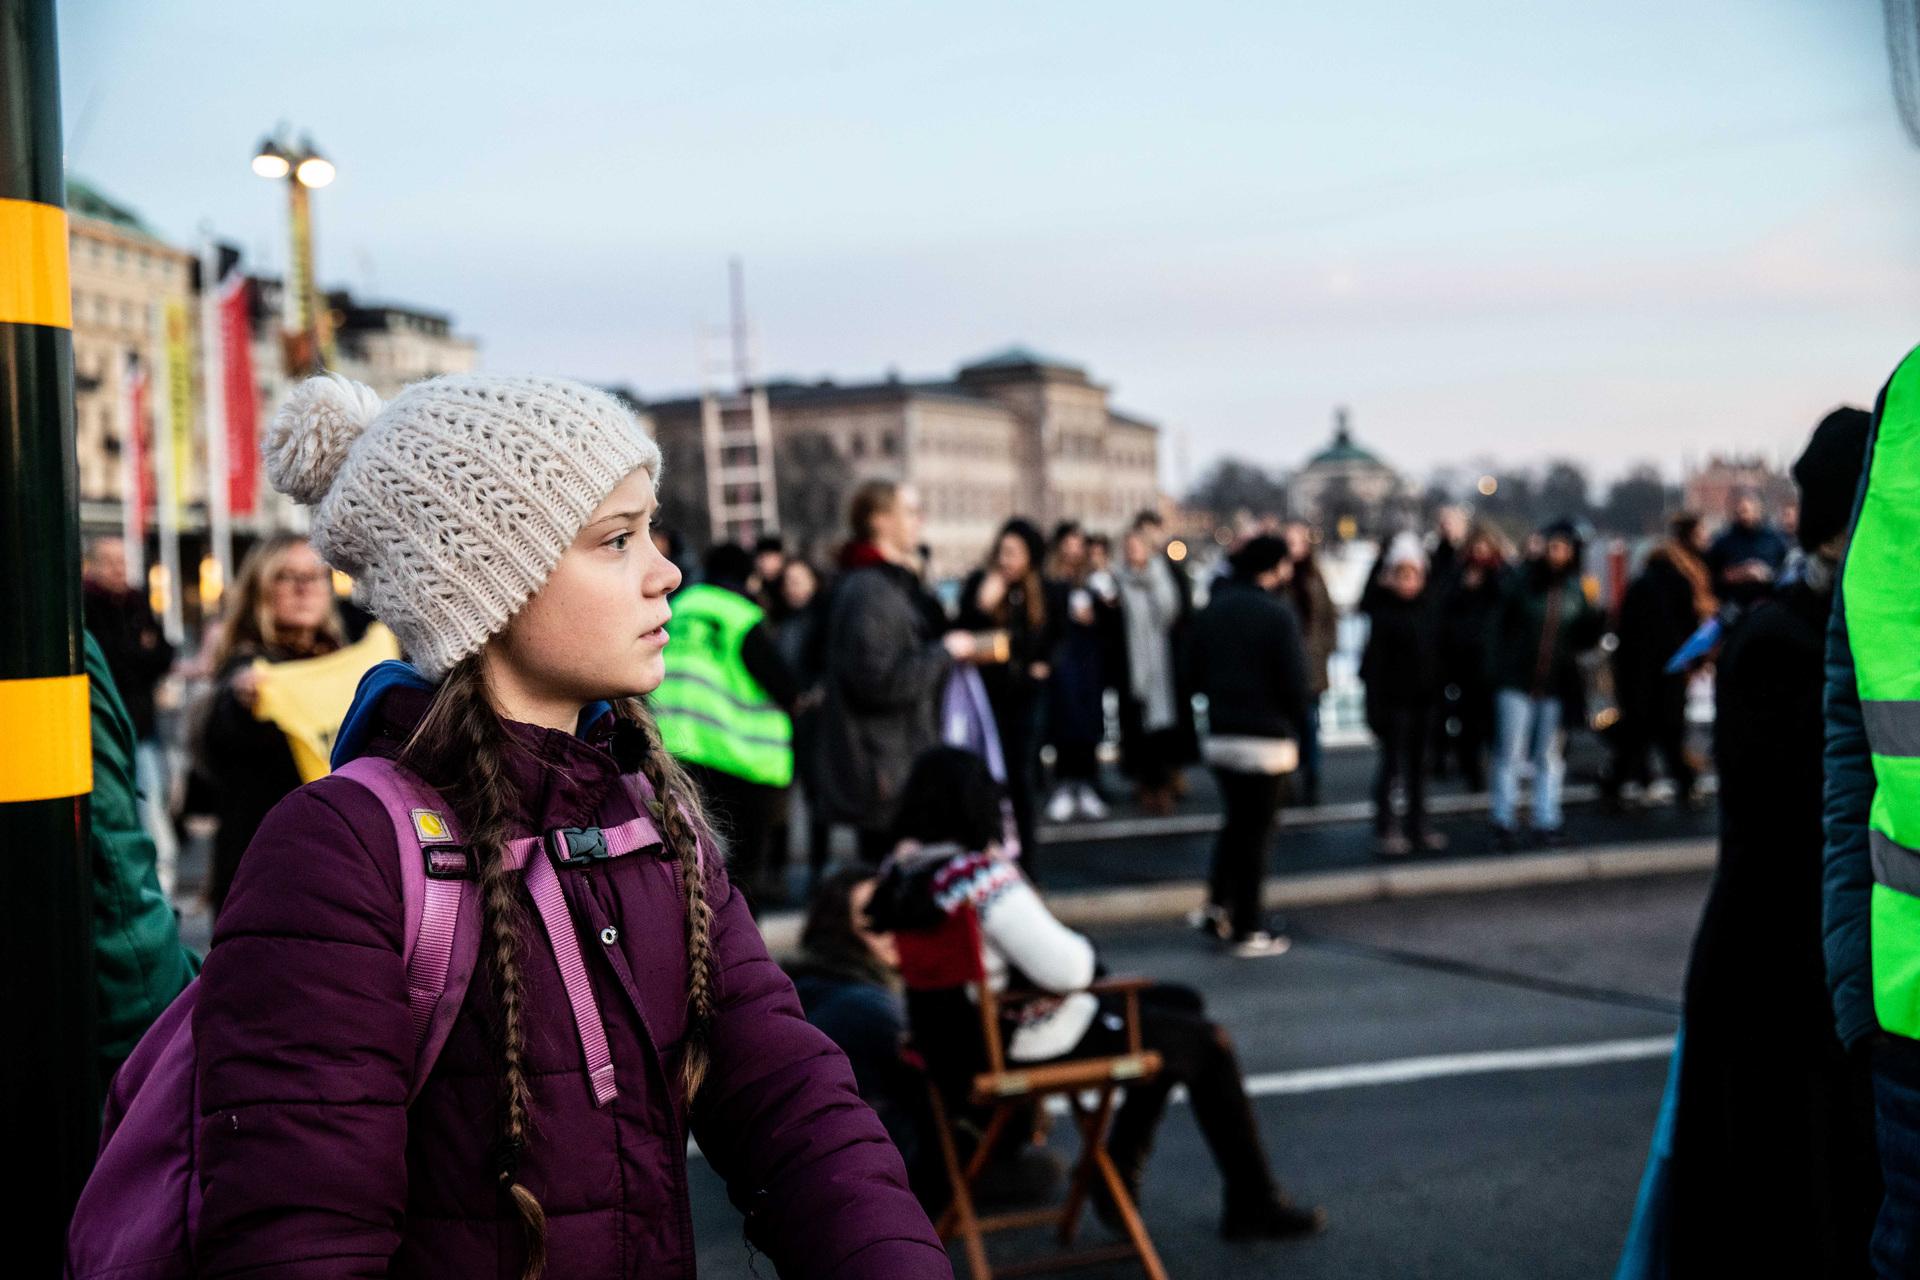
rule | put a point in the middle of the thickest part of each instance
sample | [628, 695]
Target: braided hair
[460, 749]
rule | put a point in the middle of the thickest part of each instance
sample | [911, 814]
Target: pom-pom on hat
[451, 504]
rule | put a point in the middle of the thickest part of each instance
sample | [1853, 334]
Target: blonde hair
[248, 625]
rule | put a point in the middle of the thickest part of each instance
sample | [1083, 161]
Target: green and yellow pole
[46, 768]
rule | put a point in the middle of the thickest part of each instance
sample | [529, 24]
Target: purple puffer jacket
[312, 1164]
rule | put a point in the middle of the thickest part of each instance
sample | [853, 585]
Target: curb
[1325, 815]
[1143, 904]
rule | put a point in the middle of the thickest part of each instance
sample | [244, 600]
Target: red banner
[242, 398]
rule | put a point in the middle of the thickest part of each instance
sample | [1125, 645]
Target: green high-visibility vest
[1881, 591]
[710, 711]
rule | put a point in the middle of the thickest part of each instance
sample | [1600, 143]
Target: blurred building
[1711, 489]
[1015, 433]
[1343, 481]
[122, 274]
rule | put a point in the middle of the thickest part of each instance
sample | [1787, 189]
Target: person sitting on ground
[848, 980]
[949, 856]
[1401, 669]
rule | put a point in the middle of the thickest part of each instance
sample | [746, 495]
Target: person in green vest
[1871, 881]
[724, 712]
[139, 963]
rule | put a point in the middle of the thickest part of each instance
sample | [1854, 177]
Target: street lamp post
[306, 325]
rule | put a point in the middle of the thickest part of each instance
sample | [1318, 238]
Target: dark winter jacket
[139, 964]
[312, 1164]
[1657, 615]
[1401, 664]
[244, 766]
[1467, 613]
[1738, 546]
[1319, 621]
[884, 669]
[868, 1021]
[134, 646]
[1543, 625]
[1847, 885]
[1774, 1121]
[1247, 657]
[1010, 683]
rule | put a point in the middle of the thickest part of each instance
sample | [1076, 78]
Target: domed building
[1343, 480]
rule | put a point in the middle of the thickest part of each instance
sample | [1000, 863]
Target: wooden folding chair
[946, 961]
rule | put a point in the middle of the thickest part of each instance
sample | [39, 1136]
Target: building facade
[1711, 489]
[1016, 433]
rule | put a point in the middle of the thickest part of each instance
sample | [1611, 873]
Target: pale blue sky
[1520, 229]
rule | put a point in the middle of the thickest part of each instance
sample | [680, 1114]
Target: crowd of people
[842, 697]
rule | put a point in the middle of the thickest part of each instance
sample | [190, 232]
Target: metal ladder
[736, 433]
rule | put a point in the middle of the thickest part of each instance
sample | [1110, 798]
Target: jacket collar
[565, 779]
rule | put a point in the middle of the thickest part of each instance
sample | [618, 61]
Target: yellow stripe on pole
[34, 288]
[46, 739]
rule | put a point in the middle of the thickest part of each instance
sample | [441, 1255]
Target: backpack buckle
[448, 861]
[577, 846]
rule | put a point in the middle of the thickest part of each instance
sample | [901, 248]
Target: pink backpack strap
[438, 894]
[544, 858]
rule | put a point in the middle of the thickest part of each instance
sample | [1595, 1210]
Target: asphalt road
[1369, 1045]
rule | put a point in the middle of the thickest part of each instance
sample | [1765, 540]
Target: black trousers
[743, 813]
[1252, 803]
[1402, 731]
[1076, 762]
[1197, 1052]
[1658, 722]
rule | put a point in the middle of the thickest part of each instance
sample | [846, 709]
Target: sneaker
[1276, 1219]
[1506, 840]
[1210, 920]
[1395, 846]
[1089, 803]
[1433, 842]
[1060, 805]
[1554, 837]
[1259, 943]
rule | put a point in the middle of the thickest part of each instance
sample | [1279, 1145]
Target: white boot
[1060, 804]
[1092, 807]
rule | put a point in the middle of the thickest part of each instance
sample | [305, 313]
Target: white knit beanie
[451, 504]
[1406, 549]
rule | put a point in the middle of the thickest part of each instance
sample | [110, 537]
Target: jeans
[150, 776]
[1252, 802]
[1896, 1121]
[1527, 728]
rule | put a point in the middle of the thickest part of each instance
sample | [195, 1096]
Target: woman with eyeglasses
[281, 608]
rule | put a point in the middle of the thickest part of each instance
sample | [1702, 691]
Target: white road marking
[1440, 1066]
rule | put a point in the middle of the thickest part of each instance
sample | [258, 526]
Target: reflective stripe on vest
[1880, 591]
[710, 710]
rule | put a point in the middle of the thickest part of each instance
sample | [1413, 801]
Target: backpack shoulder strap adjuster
[577, 846]
[449, 862]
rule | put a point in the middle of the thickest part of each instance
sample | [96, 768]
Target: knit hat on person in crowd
[1406, 549]
[1828, 473]
[450, 504]
[1257, 555]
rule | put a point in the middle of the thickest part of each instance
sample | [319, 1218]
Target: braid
[459, 748]
[682, 823]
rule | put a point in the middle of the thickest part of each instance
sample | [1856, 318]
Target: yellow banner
[180, 397]
[309, 697]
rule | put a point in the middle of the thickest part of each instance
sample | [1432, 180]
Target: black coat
[245, 766]
[1245, 653]
[135, 647]
[1467, 612]
[1401, 665]
[1656, 617]
[1774, 1166]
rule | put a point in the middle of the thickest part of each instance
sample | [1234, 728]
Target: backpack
[139, 1214]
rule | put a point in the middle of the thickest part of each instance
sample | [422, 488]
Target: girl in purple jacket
[499, 527]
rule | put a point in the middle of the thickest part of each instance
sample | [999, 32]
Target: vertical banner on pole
[136, 477]
[169, 442]
[212, 397]
[241, 399]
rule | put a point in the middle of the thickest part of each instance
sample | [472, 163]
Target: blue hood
[394, 674]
